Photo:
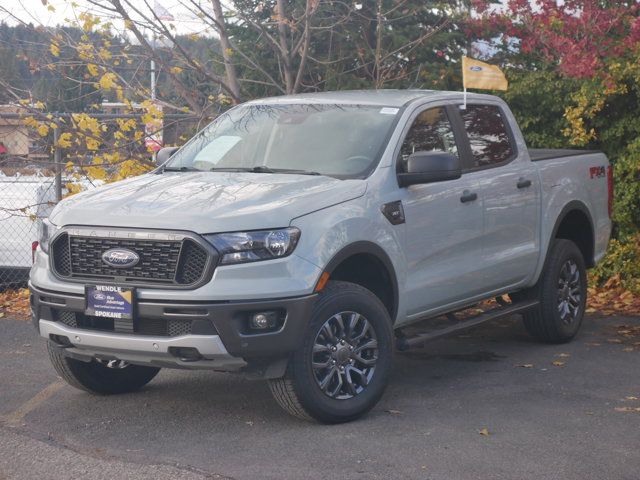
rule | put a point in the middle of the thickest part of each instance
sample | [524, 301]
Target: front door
[444, 223]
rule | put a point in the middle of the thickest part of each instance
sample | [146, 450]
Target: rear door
[510, 188]
[443, 221]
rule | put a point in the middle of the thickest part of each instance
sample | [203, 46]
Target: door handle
[468, 196]
[524, 182]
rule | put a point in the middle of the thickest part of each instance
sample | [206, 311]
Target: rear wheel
[102, 378]
[342, 367]
[562, 291]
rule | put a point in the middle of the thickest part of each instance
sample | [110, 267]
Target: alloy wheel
[344, 356]
[569, 292]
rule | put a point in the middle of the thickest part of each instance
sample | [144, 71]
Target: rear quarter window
[488, 135]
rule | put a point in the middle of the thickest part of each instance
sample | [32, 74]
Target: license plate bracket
[109, 301]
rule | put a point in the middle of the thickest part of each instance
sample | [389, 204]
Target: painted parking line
[16, 417]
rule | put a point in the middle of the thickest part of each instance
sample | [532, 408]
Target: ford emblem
[120, 258]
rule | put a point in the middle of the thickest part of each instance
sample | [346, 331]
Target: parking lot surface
[487, 404]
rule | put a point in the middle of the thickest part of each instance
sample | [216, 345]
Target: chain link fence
[35, 174]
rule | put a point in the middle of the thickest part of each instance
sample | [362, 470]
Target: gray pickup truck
[295, 237]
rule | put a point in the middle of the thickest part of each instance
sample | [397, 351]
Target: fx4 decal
[597, 172]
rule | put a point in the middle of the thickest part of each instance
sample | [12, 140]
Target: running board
[404, 343]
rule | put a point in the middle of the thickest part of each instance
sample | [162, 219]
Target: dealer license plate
[108, 301]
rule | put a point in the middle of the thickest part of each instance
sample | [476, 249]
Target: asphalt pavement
[487, 404]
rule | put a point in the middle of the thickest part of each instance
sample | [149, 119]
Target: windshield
[343, 141]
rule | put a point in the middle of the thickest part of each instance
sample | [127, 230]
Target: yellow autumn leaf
[484, 432]
[176, 70]
[92, 144]
[93, 69]
[43, 130]
[104, 54]
[107, 81]
[98, 173]
[85, 51]
[64, 140]
[54, 49]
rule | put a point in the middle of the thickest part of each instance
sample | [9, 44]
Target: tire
[97, 378]
[562, 291]
[300, 392]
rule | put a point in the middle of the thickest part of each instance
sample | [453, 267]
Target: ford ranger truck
[294, 238]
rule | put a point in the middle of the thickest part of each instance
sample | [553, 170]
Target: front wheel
[342, 367]
[562, 291]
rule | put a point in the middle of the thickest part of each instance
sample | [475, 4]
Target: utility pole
[57, 164]
[153, 82]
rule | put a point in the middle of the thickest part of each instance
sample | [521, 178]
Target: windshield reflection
[344, 141]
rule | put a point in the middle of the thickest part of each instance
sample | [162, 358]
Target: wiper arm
[180, 169]
[263, 169]
[256, 169]
[300, 172]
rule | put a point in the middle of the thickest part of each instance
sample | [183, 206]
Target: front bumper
[148, 350]
[219, 331]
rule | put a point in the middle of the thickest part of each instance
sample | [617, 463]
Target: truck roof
[384, 97]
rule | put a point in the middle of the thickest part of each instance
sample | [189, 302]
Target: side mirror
[428, 167]
[164, 154]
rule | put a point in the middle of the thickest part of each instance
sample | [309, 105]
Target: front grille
[82, 321]
[141, 326]
[193, 260]
[162, 262]
[169, 328]
[68, 318]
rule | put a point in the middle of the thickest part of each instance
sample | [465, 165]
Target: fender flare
[568, 208]
[370, 248]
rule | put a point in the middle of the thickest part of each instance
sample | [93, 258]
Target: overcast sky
[34, 11]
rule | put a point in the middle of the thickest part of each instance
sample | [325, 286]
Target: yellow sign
[476, 74]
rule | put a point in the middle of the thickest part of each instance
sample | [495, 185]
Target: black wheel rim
[569, 292]
[344, 356]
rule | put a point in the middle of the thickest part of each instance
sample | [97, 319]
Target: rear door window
[489, 137]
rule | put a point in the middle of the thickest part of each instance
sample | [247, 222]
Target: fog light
[263, 320]
[186, 354]
[61, 340]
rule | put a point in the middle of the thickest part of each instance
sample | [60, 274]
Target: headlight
[242, 247]
[45, 230]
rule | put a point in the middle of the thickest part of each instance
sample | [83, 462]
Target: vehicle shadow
[197, 398]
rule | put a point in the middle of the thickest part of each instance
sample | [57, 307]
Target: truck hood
[205, 202]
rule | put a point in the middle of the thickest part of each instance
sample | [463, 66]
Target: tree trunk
[284, 47]
[229, 66]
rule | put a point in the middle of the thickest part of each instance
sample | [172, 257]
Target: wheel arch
[576, 224]
[367, 264]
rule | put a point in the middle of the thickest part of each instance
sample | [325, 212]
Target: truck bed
[539, 154]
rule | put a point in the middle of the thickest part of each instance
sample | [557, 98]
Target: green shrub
[622, 261]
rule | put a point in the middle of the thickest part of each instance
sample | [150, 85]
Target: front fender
[334, 234]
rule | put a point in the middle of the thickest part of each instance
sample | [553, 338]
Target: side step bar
[404, 343]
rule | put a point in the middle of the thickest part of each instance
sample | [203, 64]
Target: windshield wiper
[180, 169]
[263, 169]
